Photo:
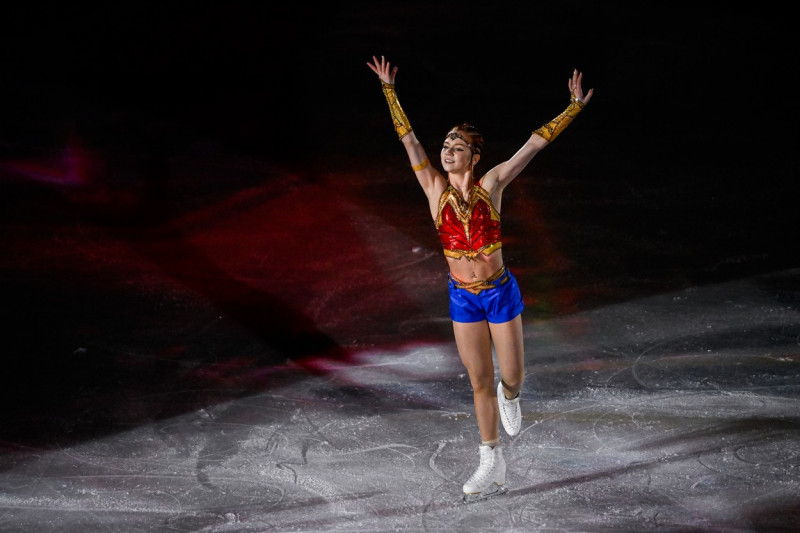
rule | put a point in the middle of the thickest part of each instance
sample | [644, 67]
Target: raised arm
[501, 175]
[429, 178]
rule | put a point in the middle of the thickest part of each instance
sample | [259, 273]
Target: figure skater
[485, 301]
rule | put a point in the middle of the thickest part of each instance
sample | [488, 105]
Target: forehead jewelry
[453, 135]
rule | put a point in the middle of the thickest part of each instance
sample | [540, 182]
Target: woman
[485, 300]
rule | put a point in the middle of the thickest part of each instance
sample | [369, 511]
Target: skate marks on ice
[678, 411]
[313, 455]
[229, 467]
[186, 474]
[684, 405]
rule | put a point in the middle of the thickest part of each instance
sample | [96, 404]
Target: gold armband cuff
[424, 164]
[399, 118]
[552, 129]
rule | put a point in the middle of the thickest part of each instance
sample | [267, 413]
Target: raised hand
[576, 88]
[383, 69]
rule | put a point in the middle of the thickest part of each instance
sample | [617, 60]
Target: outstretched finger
[575, 79]
[374, 65]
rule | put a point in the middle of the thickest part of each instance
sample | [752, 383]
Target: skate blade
[494, 490]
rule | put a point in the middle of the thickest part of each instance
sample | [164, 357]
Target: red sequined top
[469, 228]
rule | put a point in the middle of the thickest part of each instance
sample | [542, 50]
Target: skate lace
[485, 469]
[508, 408]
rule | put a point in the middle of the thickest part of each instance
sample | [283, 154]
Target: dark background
[682, 171]
[699, 100]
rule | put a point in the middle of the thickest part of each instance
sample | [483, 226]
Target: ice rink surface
[225, 305]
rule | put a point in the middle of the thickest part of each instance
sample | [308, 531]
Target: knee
[482, 386]
[513, 383]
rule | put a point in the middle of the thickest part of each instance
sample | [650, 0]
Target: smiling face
[457, 154]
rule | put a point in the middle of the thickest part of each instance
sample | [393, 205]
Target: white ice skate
[489, 478]
[510, 412]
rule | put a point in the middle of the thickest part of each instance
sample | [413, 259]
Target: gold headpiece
[453, 135]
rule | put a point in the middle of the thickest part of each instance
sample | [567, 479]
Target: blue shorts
[498, 304]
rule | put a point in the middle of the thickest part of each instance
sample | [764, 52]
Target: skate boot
[510, 412]
[489, 478]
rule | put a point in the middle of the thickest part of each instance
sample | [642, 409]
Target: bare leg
[508, 345]
[474, 344]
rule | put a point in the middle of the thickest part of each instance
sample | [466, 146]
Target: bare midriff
[479, 268]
